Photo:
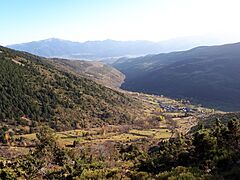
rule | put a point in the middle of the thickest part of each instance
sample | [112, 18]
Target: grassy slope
[96, 71]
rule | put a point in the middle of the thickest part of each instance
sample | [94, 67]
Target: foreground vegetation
[206, 154]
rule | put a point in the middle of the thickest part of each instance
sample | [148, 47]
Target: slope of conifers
[97, 71]
[210, 121]
[33, 92]
[206, 75]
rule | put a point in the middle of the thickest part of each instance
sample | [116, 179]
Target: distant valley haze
[109, 50]
[112, 29]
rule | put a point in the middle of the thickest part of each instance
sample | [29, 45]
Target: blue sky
[81, 20]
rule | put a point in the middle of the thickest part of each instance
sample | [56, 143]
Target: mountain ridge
[100, 50]
[207, 75]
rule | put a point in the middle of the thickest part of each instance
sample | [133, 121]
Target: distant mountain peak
[52, 39]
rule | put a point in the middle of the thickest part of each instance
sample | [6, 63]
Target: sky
[82, 20]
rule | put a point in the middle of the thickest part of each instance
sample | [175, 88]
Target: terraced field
[164, 118]
[100, 135]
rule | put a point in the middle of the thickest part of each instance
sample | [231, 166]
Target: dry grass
[68, 137]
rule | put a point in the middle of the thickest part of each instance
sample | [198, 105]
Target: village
[180, 115]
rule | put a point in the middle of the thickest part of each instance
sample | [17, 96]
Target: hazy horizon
[154, 20]
[218, 39]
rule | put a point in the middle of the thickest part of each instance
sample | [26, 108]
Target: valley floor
[163, 118]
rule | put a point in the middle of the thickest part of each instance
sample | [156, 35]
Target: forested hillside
[210, 121]
[205, 75]
[34, 92]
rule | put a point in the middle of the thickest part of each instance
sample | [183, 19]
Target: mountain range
[208, 75]
[110, 50]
